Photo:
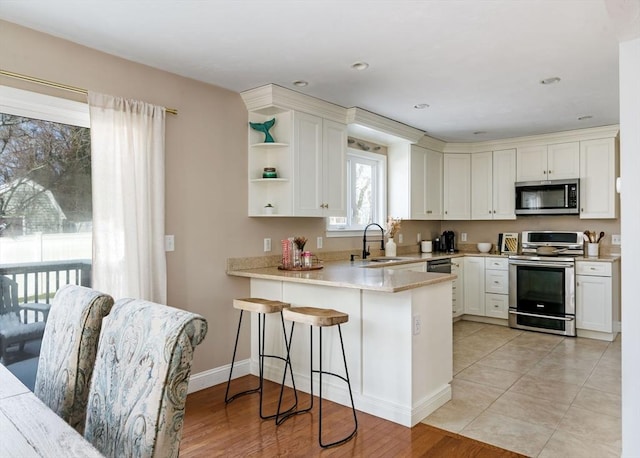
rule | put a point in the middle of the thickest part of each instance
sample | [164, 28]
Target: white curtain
[127, 166]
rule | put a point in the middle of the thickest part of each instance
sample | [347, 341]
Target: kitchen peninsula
[398, 339]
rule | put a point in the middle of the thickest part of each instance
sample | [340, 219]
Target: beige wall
[206, 154]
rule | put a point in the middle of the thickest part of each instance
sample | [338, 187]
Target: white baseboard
[217, 375]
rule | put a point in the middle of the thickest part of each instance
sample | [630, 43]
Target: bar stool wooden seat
[320, 318]
[262, 307]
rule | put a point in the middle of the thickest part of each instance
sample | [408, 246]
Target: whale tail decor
[264, 128]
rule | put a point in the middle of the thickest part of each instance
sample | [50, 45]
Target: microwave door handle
[566, 196]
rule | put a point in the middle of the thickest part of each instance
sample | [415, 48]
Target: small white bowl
[484, 247]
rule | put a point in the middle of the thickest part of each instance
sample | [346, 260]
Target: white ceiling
[477, 63]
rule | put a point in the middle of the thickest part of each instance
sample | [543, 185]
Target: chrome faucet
[365, 249]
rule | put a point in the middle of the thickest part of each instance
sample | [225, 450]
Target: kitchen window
[366, 194]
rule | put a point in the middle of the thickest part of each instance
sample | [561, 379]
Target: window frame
[380, 193]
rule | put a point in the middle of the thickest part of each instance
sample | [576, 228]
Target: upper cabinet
[493, 176]
[308, 156]
[319, 164]
[548, 162]
[457, 186]
[415, 182]
[598, 171]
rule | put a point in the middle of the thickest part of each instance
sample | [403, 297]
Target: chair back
[140, 380]
[68, 351]
[8, 296]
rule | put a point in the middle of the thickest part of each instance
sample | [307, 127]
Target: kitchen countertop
[368, 275]
[356, 274]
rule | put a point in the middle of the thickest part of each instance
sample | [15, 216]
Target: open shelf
[269, 145]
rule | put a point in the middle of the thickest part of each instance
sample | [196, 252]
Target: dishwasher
[442, 266]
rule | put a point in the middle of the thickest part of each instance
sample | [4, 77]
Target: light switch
[169, 243]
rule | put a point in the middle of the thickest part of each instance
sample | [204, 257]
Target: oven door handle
[541, 263]
[542, 316]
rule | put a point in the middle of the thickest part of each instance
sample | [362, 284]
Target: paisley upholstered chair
[68, 351]
[140, 380]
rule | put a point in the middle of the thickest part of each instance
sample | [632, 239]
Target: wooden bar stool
[262, 307]
[321, 318]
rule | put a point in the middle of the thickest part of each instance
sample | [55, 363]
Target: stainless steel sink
[386, 259]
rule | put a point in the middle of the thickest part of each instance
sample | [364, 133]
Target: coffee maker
[448, 242]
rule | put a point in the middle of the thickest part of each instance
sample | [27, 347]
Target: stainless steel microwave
[553, 197]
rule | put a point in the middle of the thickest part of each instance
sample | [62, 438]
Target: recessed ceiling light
[360, 66]
[300, 83]
[584, 118]
[479, 132]
[552, 80]
[421, 106]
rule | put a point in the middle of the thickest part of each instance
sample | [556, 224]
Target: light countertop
[352, 275]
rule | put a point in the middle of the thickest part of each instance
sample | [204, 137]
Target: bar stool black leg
[346, 379]
[228, 399]
[261, 357]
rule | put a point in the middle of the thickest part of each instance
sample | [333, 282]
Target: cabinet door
[482, 185]
[474, 286]
[598, 197]
[307, 165]
[531, 163]
[594, 303]
[504, 177]
[433, 185]
[417, 182]
[563, 161]
[457, 186]
[334, 170]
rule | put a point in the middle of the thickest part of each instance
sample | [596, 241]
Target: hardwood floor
[213, 428]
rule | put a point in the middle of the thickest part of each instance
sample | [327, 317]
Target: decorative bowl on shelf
[484, 247]
[269, 172]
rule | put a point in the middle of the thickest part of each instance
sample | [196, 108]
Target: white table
[28, 428]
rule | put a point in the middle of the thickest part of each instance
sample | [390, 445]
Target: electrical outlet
[169, 243]
[419, 237]
[267, 244]
[417, 324]
[319, 243]
[616, 239]
[463, 236]
[400, 238]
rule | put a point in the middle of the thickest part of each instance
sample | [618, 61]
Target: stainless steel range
[542, 282]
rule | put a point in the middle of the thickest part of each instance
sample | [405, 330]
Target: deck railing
[39, 281]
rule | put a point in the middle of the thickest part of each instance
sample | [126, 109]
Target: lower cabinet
[474, 286]
[457, 300]
[597, 296]
[486, 287]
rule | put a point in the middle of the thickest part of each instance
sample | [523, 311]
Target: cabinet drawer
[497, 305]
[496, 281]
[600, 269]
[496, 263]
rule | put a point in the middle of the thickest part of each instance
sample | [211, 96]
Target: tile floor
[537, 394]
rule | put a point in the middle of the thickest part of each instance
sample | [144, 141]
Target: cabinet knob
[494, 211]
[544, 172]
[446, 212]
[429, 212]
[549, 172]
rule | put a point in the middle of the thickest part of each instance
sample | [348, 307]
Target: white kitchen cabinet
[598, 171]
[309, 156]
[597, 297]
[457, 186]
[415, 182]
[474, 296]
[492, 185]
[496, 287]
[457, 285]
[548, 162]
[319, 165]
